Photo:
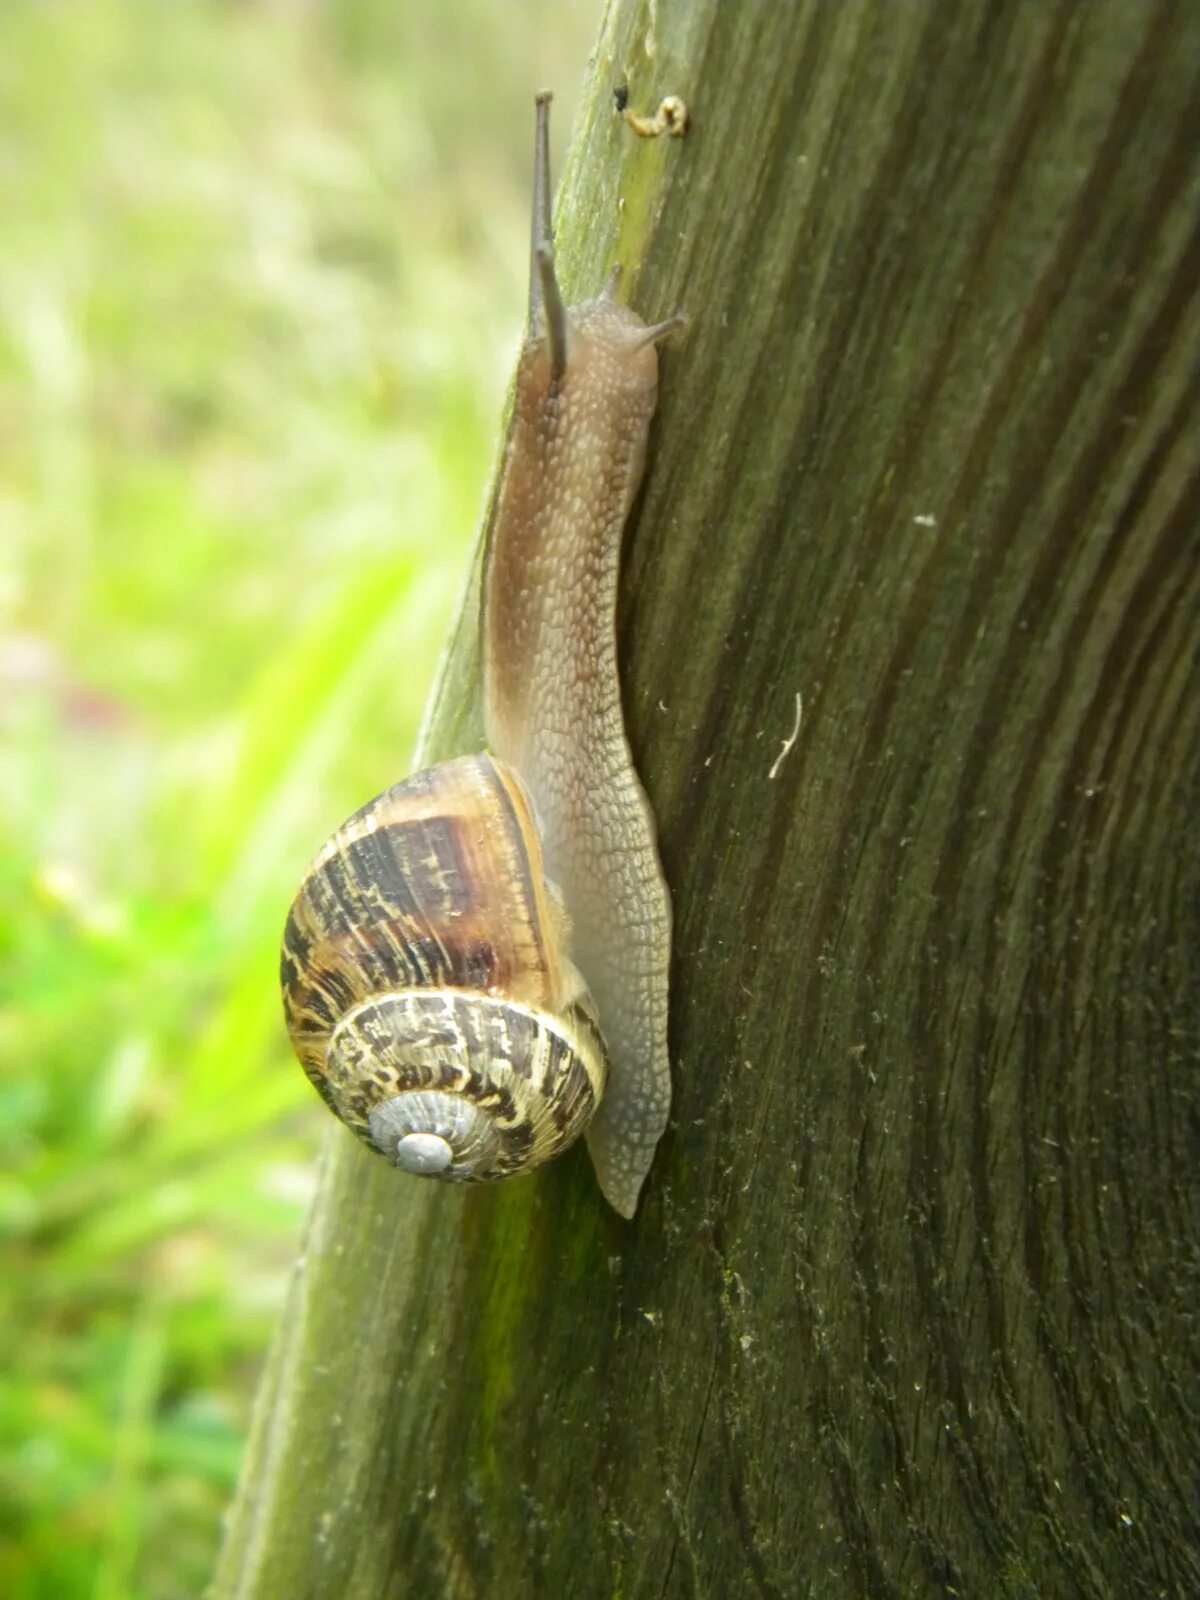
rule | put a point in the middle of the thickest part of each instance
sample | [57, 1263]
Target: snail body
[475, 967]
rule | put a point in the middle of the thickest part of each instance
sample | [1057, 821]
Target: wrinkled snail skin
[474, 968]
[552, 701]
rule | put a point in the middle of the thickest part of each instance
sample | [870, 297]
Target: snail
[474, 968]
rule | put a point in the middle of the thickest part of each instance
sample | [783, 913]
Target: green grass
[260, 278]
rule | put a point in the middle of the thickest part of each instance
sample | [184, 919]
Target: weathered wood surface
[909, 1305]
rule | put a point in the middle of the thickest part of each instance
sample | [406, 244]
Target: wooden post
[909, 632]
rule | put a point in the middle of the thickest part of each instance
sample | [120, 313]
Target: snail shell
[427, 989]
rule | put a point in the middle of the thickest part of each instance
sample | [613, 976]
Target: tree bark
[909, 627]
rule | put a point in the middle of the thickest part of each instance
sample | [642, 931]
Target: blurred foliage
[260, 285]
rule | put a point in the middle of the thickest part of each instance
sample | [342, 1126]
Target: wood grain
[909, 1304]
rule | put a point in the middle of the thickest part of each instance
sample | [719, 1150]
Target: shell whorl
[429, 1132]
[426, 984]
[498, 1086]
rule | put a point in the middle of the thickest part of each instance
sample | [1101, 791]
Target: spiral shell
[426, 984]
